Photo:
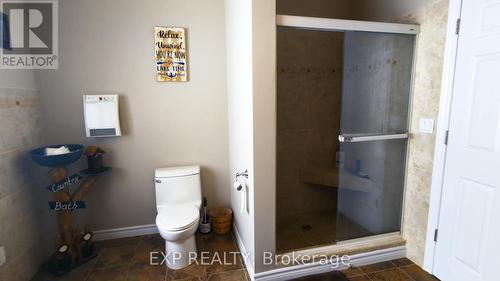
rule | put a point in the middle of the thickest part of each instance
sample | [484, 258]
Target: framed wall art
[171, 54]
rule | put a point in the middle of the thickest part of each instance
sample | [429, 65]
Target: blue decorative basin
[38, 155]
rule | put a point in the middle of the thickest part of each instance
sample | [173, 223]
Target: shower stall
[343, 99]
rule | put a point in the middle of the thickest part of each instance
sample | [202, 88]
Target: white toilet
[178, 201]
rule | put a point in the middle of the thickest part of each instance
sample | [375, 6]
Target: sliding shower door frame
[338, 25]
[326, 24]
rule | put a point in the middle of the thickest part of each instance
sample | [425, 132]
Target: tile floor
[395, 270]
[128, 259]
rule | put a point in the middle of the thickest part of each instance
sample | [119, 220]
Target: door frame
[443, 123]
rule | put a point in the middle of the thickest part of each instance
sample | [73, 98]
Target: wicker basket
[222, 219]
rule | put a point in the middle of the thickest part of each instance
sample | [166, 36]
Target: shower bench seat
[330, 177]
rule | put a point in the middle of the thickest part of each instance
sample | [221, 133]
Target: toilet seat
[177, 217]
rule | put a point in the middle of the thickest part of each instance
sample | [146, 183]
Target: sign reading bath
[66, 205]
[64, 183]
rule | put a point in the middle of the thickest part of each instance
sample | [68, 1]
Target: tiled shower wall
[20, 204]
[432, 19]
[309, 90]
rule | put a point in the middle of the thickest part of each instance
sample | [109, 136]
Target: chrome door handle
[367, 137]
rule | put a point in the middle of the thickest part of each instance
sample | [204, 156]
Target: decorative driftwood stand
[74, 247]
[68, 234]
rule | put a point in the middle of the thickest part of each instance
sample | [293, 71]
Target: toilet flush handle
[157, 181]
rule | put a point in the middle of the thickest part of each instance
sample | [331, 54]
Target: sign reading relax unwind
[170, 54]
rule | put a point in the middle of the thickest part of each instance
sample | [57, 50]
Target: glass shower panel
[309, 90]
[373, 133]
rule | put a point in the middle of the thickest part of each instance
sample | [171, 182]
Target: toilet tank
[178, 185]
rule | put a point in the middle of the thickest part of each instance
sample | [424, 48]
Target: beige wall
[432, 19]
[264, 129]
[240, 117]
[251, 31]
[108, 47]
[22, 199]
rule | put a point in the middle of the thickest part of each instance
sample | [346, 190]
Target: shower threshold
[348, 247]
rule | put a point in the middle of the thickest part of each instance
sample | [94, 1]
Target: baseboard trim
[361, 259]
[244, 252]
[122, 232]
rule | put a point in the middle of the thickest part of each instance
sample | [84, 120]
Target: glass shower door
[373, 133]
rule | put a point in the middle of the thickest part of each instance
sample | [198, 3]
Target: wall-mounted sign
[66, 205]
[171, 54]
[64, 183]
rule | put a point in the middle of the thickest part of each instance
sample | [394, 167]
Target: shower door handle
[370, 137]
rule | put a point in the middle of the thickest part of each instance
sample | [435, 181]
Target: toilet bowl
[177, 224]
[178, 201]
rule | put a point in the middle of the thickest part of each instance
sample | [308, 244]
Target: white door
[469, 224]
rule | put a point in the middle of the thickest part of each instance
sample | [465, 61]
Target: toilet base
[180, 254]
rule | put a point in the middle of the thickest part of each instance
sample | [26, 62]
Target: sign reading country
[64, 183]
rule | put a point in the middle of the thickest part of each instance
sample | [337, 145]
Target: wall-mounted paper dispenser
[102, 117]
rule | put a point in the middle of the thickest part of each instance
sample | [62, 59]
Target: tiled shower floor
[310, 229]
